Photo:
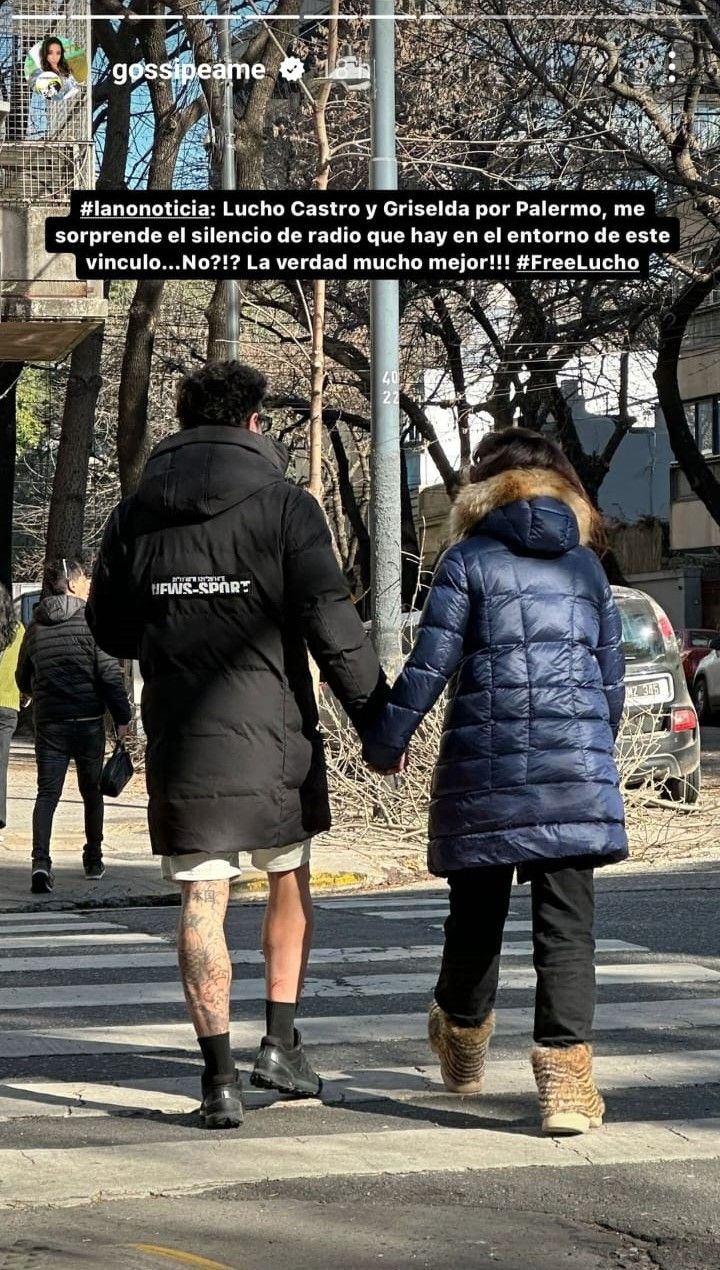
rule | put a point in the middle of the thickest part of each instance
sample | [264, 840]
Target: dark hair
[59, 573]
[518, 448]
[8, 620]
[220, 394]
[62, 65]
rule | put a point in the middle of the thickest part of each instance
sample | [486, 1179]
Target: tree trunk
[317, 384]
[215, 317]
[411, 563]
[672, 329]
[171, 126]
[322, 178]
[133, 441]
[350, 505]
[250, 129]
[613, 568]
[66, 518]
[9, 375]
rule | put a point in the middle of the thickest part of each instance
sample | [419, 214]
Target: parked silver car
[706, 684]
[662, 737]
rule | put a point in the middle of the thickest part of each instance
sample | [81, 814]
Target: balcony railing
[680, 491]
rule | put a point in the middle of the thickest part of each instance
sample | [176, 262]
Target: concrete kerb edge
[326, 883]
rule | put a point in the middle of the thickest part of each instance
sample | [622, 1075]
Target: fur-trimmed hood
[475, 502]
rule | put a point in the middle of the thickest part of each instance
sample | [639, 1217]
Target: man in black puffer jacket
[219, 575]
[72, 682]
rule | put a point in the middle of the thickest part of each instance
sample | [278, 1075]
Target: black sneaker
[221, 1106]
[94, 869]
[287, 1070]
[42, 879]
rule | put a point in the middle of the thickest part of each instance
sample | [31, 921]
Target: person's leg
[286, 940]
[563, 909]
[205, 968]
[89, 755]
[564, 956]
[287, 936]
[8, 724]
[206, 973]
[461, 1019]
[53, 758]
[479, 903]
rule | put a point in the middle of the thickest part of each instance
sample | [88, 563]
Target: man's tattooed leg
[205, 967]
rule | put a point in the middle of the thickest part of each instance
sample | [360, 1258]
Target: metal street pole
[232, 317]
[385, 505]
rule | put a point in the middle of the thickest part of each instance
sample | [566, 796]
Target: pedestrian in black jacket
[219, 575]
[72, 683]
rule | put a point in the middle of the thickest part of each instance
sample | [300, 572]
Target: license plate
[649, 692]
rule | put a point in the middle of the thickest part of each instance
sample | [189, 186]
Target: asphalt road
[100, 1150]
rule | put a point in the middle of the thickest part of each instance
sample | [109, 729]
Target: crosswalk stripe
[346, 1029]
[412, 914]
[64, 941]
[372, 901]
[40, 918]
[179, 1095]
[160, 992]
[423, 913]
[49, 932]
[253, 957]
[79, 1175]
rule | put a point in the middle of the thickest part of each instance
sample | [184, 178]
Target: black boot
[221, 1104]
[42, 879]
[285, 1069]
[93, 863]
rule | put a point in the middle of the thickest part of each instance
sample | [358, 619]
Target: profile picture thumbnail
[55, 68]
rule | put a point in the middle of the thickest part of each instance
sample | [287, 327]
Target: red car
[694, 645]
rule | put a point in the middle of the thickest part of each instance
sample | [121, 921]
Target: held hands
[401, 766]
[122, 730]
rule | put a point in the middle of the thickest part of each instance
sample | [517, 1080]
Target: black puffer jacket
[218, 574]
[61, 667]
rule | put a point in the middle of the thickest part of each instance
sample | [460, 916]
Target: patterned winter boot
[570, 1101]
[462, 1050]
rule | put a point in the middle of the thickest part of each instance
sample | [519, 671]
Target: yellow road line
[184, 1258]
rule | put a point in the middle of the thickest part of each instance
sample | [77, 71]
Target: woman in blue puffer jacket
[521, 620]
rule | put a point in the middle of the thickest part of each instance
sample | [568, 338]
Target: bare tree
[66, 517]
[9, 374]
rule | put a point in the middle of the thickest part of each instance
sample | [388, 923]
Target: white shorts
[201, 866]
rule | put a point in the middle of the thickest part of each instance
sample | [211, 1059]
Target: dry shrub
[376, 810]
[372, 808]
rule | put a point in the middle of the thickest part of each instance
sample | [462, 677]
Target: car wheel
[685, 789]
[702, 701]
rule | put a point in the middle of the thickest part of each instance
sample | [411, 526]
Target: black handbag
[117, 772]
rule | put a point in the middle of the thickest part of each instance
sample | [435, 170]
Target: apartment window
[703, 418]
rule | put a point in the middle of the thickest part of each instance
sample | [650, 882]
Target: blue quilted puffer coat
[521, 620]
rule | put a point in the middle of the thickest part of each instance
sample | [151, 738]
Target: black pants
[55, 745]
[8, 724]
[563, 948]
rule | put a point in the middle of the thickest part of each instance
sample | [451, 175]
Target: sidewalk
[133, 875]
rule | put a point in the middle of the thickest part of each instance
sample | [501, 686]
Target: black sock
[219, 1063]
[280, 1021]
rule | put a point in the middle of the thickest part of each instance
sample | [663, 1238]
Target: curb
[320, 881]
[253, 887]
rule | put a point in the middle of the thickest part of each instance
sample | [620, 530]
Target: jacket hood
[531, 509]
[57, 608]
[200, 472]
